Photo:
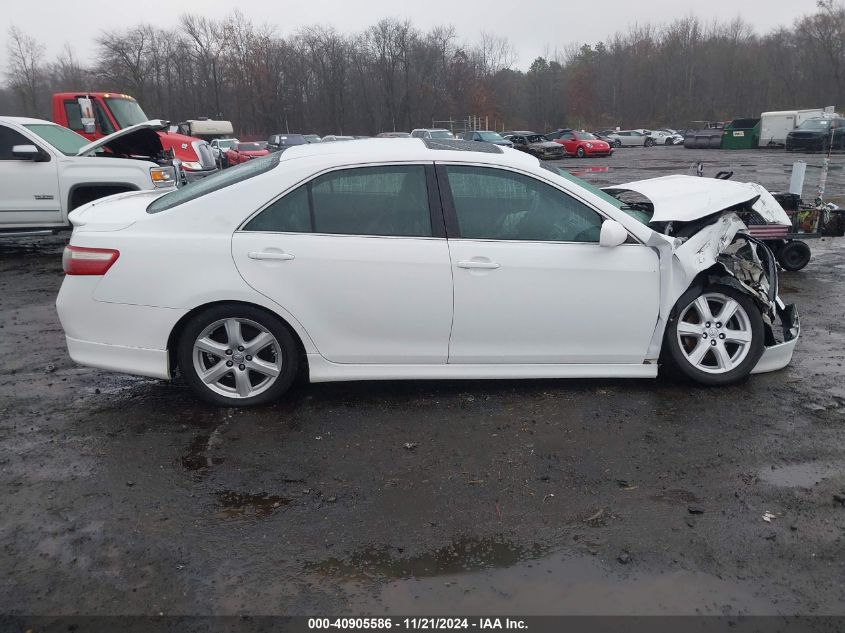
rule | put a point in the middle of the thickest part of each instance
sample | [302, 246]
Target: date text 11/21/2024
[417, 623]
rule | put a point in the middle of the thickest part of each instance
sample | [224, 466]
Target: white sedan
[421, 259]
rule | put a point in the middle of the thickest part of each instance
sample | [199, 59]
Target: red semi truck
[97, 114]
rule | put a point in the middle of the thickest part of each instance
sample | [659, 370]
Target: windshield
[584, 136]
[215, 182]
[638, 214]
[441, 134]
[126, 112]
[251, 147]
[66, 141]
[292, 139]
[537, 138]
[226, 144]
[815, 124]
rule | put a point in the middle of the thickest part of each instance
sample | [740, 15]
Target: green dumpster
[741, 134]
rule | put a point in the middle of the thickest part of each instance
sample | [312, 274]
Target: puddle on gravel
[461, 555]
[471, 577]
[805, 475]
[235, 505]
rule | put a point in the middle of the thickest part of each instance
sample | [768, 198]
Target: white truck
[774, 126]
[47, 170]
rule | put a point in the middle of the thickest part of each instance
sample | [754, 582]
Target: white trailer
[774, 126]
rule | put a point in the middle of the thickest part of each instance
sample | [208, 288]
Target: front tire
[580, 153]
[669, 141]
[715, 335]
[237, 356]
[649, 142]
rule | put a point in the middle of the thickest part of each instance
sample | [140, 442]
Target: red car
[242, 152]
[580, 144]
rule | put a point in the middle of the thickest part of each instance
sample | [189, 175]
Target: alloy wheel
[237, 358]
[714, 333]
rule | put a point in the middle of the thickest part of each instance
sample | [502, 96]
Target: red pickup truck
[97, 114]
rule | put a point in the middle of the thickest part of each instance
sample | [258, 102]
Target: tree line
[394, 76]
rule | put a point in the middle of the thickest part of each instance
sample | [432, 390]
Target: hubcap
[714, 333]
[237, 358]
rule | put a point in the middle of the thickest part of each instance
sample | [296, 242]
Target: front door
[355, 257]
[30, 190]
[532, 284]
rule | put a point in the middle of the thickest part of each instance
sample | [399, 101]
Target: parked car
[278, 142]
[663, 137]
[815, 135]
[243, 152]
[47, 170]
[526, 272]
[604, 135]
[311, 138]
[487, 137]
[394, 135]
[631, 138]
[336, 137]
[580, 144]
[219, 147]
[432, 133]
[536, 145]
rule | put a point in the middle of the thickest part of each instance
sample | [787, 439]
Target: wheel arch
[178, 328]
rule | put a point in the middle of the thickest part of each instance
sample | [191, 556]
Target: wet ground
[123, 495]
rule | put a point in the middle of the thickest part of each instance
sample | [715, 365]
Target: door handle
[469, 263]
[269, 255]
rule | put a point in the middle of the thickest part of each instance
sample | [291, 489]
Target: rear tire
[715, 335]
[649, 142]
[580, 153]
[669, 141]
[235, 355]
[793, 256]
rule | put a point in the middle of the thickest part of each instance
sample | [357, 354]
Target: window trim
[438, 226]
[451, 215]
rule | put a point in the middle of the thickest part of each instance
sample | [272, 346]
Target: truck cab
[98, 114]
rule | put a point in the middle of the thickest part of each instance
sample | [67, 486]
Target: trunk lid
[114, 213]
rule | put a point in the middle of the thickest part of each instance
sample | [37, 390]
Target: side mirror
[26, 152]
[612, 234]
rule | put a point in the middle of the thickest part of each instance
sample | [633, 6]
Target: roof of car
[374, 150]
[22, 120]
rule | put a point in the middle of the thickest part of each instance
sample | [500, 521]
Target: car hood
[135, 139]
[545, 144]
[686, 198]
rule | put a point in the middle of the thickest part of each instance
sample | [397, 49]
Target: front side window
[385, 200]
[73, 113]
[8, 139]
[495, 204]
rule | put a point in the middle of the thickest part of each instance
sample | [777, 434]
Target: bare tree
[24, 71]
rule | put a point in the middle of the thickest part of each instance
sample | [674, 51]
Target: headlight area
[192, 166]
[163, 176]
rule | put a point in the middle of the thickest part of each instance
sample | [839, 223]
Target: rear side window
[386, 200]
[215, 182]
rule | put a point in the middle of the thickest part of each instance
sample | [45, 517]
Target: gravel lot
[123, 495]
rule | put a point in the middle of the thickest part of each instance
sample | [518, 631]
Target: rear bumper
[130, 360]
[116, 336]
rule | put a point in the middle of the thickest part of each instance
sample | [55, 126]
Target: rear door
[30, 191]
[359, 257]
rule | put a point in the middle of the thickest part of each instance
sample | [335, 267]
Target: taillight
[78, 260]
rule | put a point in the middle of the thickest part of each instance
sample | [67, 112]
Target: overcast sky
[534, 27]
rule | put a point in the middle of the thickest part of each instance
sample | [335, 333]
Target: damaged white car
[422, 259]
